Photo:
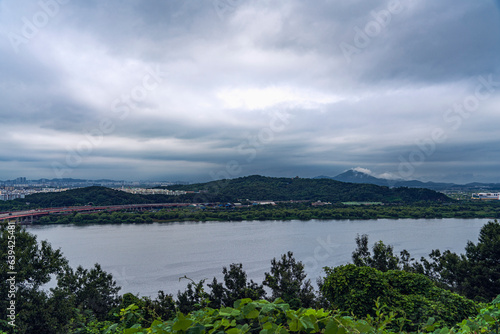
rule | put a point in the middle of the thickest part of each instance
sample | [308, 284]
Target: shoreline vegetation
[259, 198]
[283, 211]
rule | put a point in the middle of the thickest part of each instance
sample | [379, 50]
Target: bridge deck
[89, 209]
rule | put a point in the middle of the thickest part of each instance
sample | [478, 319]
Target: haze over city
[196, 91]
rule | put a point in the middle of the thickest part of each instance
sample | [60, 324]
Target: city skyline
[199, 91]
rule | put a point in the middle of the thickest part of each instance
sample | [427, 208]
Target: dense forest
[380, 292]
[283, 189]
[97, 196]
[284, 211]
[236, 190]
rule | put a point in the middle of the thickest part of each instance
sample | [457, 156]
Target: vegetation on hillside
[356, 290]
[245, 188]
[96, 195]
[283, 189]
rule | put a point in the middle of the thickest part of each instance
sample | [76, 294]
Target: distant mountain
[355, 176]
[258, 187]
[253, 188]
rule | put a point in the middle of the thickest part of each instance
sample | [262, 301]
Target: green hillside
[83, 196]
[282, 189]
[97, 196]
[252, 188]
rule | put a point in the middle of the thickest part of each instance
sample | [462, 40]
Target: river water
[145, 258]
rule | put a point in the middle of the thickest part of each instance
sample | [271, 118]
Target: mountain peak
[358, 176]
[355, 173]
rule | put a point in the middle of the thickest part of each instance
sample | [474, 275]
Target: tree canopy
[258, 187]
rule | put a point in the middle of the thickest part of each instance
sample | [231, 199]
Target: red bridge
[28, 216]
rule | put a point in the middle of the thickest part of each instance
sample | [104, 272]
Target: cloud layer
[201, 90]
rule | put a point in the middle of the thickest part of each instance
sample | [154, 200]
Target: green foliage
[39, 311]
[236, 286]
[282, 189]
[287, 280]
[354, 289]
[383, 256]
[475, 274]
[282, 211]
[193, 298]
[83, 196]
[264, 317]
[99, 196]
[248, 316]
[93, 289]
[487, 321]
[482, 264]
[34, 263]
[357, 290]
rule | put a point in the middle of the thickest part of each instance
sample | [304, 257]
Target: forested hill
[95, 195]
[83, 196]
[252, 188]
[281, 189]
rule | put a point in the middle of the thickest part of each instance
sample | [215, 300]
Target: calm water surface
[146, 258]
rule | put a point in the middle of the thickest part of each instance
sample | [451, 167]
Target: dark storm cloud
[445, 41]
[166, 89]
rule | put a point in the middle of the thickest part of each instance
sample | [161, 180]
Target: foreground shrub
[356, 290]
[264, 317]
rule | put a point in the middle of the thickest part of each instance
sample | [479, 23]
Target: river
[145, 258]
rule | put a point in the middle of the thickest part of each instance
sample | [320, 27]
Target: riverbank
[288, 211]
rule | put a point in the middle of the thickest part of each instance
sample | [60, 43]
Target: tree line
[445, 286]
[474, 274]
[283, 211]
[235, 190]
[258, 187]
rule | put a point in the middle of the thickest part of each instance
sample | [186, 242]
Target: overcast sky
[201, 90]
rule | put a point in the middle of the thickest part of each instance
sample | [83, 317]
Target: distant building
[20, 180]
[320, 203]
[153, 191]
[263, 203]
[486, 196]
[5, 196]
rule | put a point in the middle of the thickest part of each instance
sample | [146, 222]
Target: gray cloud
[179, 89]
